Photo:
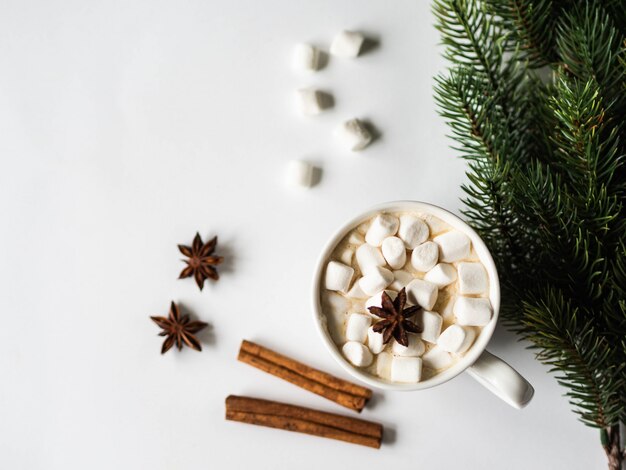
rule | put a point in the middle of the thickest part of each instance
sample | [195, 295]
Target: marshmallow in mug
[368, 257]
[338, 276]
[356, 327]
[406, 369]
[425, 256]
[453, 246]
[472, 312]
[394, 252]
[383, 226]
[375, 280]
[357, 353]
[422, 293]
[413, 231]
[441, 275]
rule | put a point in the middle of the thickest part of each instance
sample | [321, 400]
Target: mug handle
[502, 380]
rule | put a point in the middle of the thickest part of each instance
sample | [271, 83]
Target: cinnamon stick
[305, 420]
[340, 391]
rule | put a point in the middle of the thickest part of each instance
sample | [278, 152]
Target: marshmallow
[400, 280]
[299, 174]
[394, 252]
[357, 354]
[383, 226]
[406, 369]
[413, 231]
[422, 293]
[356, 292]
[415, 348]
[377, 299]
[436, 358]
[383, 364]
[369, 257]
[425, 256]
[447, 312]
[453, 246]
[346, 256]
[431, 324]
[375, 340]
[354, 135]
[356, 238]
[356, 327]
[435, 225]
[375, 280]
[441, 275]
[311, 101]
[338, 276]
[306, 58]
[472, 278]
[472, 312]
[347, 44]
[456, 339]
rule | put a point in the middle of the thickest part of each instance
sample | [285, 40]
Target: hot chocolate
[405, 296]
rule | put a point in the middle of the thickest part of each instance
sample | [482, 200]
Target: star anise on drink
[395, 318]
[201, 263]
[178, 330]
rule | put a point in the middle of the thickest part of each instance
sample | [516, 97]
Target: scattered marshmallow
[356, 292]
[400, 280]
[306, 57]
[453, 246]
[422, 293]
[425, 256]
[472, 312]
[414, 349]
[356, 238]
[356, 327]
[394, 252]
[375, 280]
[377, 299]
[413, 231]
[406, 369]
[375, 341]
[431, 323]
[346, 256]
[310, 101]
[441, 275]
[436, 358]
[299, 174]
[369, 257]
[383, 364]
[338, 276]
[354, 134]
[357, 353]
[472, 278]
[383, 226]
[456, 339]
[347, 44]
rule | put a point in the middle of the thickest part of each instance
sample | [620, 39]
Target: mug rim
[483, 254]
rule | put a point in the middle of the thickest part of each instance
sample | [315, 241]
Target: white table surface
[127, 126]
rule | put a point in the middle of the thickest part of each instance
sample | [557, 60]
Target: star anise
[201, 264]
[395, 320]
[179, 330]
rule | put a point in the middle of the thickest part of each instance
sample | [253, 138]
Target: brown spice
[201, 263]
[305, 420]
[338, 390]
[179, 330]
[395, 322]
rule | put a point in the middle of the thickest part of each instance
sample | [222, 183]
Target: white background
[128, 125]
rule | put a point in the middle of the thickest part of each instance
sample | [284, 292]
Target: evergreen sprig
[536, 102]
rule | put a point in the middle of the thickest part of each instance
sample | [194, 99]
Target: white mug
[489, 370]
